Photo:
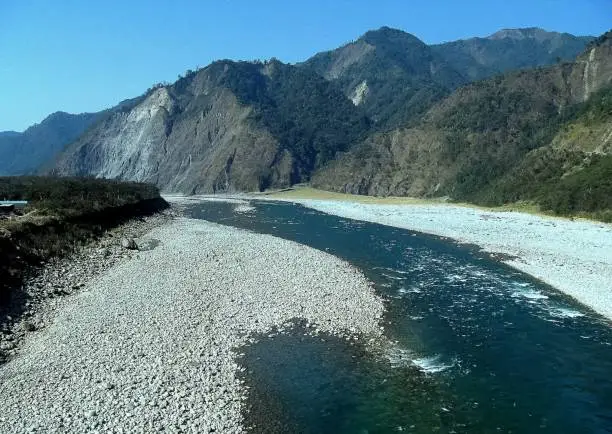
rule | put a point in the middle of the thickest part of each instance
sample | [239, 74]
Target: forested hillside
[383, 115]
[230, 126]
[535, 135]
[393, 75]
[510, 49]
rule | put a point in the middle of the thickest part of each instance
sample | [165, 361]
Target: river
[481, 347]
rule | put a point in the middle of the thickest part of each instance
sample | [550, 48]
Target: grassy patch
[305, 192]
[70, 197]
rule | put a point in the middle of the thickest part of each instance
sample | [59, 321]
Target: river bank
[500, 346]
[44, 287]
[574, 256]
[150, 342]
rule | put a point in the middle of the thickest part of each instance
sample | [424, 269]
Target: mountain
[383, 115]
[23, 153]
[396, 77]
[392, 74]
[541, 135]
[510, 49]
[230, 126]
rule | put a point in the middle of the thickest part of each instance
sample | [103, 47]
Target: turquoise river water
[484, 348]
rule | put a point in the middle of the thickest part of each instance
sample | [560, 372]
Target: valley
[385, 115]
[397, 233]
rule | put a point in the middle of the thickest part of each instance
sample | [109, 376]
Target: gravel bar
[573, 256]
[150, 345]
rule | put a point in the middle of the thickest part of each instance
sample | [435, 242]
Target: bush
[73, 196]
[77, 210]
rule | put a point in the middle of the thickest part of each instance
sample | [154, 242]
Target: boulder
[129, 243]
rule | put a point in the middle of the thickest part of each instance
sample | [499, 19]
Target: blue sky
[81, 55]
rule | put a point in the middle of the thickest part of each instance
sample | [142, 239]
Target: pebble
[170, 337]
[59, 277]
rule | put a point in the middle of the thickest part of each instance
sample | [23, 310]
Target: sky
[80, 55]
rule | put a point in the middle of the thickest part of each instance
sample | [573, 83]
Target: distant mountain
[510, 49]
[383, 115]
[230, 126]
[392, 74]
[542, 135]
[23, 153]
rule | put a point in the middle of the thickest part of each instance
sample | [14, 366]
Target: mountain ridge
[510, 49]
[23, 153]
[230, 126]
[421, 129]
[471, 146]
[383, 69]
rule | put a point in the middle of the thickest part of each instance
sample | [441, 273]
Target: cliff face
[207, 145]
[593, 69]
[233, 126]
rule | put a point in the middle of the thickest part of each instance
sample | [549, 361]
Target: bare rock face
[232, 126]
[197, 140]
[593, 69]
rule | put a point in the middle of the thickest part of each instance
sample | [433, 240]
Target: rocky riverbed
[45, 287]
[149, 345]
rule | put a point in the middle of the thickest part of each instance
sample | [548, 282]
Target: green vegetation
[403, 75]
[566, 180]
[62, 214]
[565, 183]
[596, 110]
[72, 197]
[520, 137]
[491, 127]
[587, 191]
[310, 118]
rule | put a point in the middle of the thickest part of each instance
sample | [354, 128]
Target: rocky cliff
[233, 126]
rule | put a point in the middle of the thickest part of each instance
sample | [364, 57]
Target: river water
[482, 348]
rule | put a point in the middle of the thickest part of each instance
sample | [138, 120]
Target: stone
[29, 326]
[7, 346]
[148, 244]
[129, 244]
